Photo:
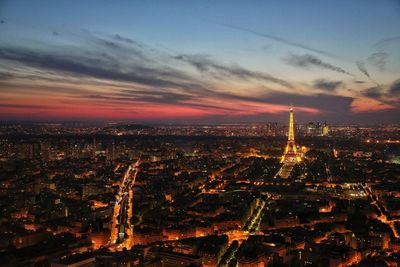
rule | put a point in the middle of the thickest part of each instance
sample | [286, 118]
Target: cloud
[97, 67]
[389, 97]
[150, 96]
[373, 92]
[133, 67]
[120, 38]
[213, 99]
[281, 40]
[129, 41]
[122, 59]
[369, 105]
[116, 45]
[119, 72]
[361, 67]
[307, 60]
[6, 76]
[379, 60]
[205, 64]
[24, 106]
[394, 89]
[322, 102]
[386, 41]
[327, 85]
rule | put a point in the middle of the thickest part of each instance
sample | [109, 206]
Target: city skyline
[200, 62]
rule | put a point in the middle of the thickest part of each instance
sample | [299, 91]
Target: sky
[200, 61]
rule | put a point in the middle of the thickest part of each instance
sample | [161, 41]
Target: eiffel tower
[290, 154]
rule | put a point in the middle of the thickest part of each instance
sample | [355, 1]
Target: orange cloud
[369, 105]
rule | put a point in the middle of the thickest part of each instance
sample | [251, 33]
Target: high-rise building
[325, 129]
[311, 128]
[317, 129]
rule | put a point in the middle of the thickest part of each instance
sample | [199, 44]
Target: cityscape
[234, 195]
[199, 133]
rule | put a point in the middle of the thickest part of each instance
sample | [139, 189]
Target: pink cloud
[369, 105]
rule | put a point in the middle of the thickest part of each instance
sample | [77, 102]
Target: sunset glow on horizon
[200, 61]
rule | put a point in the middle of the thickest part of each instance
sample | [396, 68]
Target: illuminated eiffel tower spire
[291, 126]
[291, 154]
